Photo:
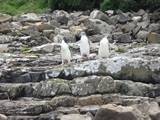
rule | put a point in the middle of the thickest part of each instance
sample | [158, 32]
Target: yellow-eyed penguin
[65, 53]
[103, 51]
[84, 45]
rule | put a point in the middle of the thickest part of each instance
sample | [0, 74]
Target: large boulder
[96, 26]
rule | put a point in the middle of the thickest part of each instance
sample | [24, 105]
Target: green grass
[14, 7]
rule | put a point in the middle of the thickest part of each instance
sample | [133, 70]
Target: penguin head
[82, 33]
[106, 35]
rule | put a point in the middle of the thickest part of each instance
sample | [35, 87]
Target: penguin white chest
[84, 46]
[104, 48]
[65, 53]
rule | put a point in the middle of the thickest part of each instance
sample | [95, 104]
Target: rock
[109, 12]
[5, 18]
[23, 107]
[155, 16]
[75, 116]
[91, 100]
[91, 109]
[154, 111]
[45, 26]
[96, 38]
[61, 16]
[46, 48]
[137, 18]
[84, 86]
[106, 85]
[3, 117]
[51, 88]
[122, 38]
[4, 48]
[142, 35]
[62, 101]
[76, 30]
[119, 67]
[97, 14]
[144, 25]
[154, 27]
[124, 100]
[140, 12]
[6, 39]
[68, 110]
[114, 112]
[128, 27]
[31, 31]
[66, 34]
[5, 28]
[153, 37]
[30, 17]
[122, 18]
[95, 26]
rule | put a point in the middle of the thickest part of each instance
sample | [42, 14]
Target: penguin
[103, 51]
[84, 45]
[65, 53]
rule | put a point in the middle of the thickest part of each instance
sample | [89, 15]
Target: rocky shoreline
[35, 86]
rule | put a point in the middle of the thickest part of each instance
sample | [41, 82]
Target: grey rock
[4, 48]
[75, 116]
[29, 17]
[141, 12]
[96, 14]
[23, 107]
[66, 34]
[62, 101]
[122, 38]
[91, 100]
[118, 67]
[122, 18]
[61, 16]
[5, 18]
[154, 27]
[95, 26]
[115, 112]
[46, 48]
[5, 28]
[84, 86]
[96, 38]
[144, 25]
[137, 18]
[142, 35]
[51, 88]
[106, 85]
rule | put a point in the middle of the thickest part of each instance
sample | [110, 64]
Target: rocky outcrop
[35, 86]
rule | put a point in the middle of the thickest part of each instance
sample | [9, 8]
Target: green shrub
[130, 4]
[14, 7]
